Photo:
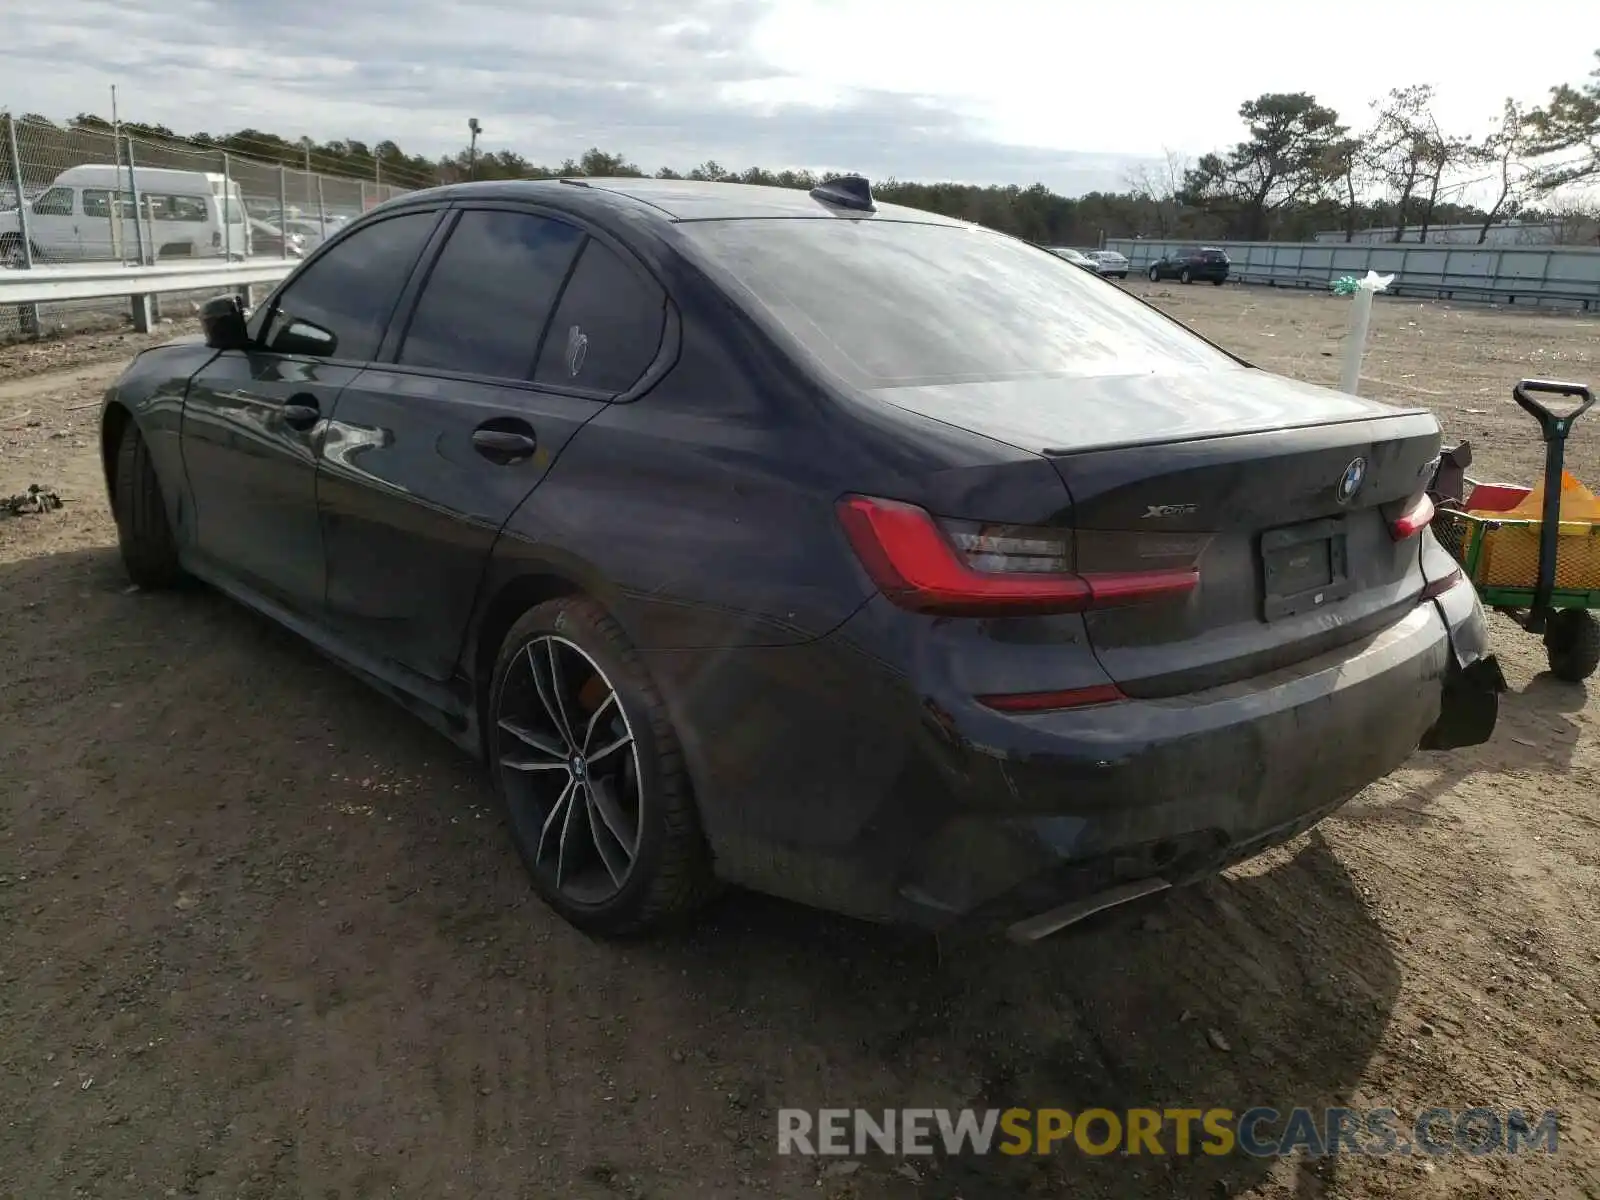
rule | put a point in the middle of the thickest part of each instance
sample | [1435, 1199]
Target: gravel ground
[264, 935]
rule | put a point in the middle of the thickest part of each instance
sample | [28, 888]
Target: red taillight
[1440, 586]
[1414, 519]
[916, 564]
[1025, 702]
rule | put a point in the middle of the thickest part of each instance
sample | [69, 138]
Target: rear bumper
[1470, 704]
[1179, 788]
[826, 776]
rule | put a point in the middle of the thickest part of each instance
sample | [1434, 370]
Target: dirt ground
[263, 935]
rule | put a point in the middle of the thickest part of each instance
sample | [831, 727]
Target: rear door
[430, 452]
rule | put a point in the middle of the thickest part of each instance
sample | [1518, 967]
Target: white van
[181, 216]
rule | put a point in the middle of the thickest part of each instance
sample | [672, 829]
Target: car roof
[678, 199]
[110, 171]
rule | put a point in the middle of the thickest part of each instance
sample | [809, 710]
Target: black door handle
[504, 445]
[301, 412]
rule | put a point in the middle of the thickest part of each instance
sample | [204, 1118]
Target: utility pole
[472, 149]
[116, 193]
[305, 144]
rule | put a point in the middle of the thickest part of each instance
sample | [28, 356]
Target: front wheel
[13, 254]
[149, 551]
[591, 774]
[1185, 277]
[1572, 643]
[1155, 275]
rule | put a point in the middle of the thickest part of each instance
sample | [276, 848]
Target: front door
[254, 420]
[53, 226]
[428, 456]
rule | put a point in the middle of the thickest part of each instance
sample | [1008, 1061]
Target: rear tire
[1217, 282]
[1185, 277]
[11, 252]
[631, 857]
[1572, 642]
[149, 551]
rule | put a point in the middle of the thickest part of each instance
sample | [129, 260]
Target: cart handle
[1556, 426]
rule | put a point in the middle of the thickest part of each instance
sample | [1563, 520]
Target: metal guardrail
[52, 285]
[1558, 276]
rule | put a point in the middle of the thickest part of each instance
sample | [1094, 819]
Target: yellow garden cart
[1542, 572]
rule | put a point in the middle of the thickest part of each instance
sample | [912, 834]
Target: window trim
[261, 319]
[671, 330]
[72, 200]
[102, 195]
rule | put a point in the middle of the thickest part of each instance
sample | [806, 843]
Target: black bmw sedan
[833, 549]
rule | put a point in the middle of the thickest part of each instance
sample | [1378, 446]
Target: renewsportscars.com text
[1260, 1132]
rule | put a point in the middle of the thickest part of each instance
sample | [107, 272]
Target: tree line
[1301, 169]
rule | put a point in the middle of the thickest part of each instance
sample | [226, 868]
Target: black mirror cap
[222, 319]
[847, 191]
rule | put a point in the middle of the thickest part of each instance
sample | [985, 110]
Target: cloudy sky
[1063, 92]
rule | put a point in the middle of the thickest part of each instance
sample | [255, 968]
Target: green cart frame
[1562, 615]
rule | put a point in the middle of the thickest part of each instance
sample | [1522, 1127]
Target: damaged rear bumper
[1470, 704]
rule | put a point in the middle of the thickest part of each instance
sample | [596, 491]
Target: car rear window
[891, 303]
[1213, 256]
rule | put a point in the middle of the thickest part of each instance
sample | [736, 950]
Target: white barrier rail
[92, 281]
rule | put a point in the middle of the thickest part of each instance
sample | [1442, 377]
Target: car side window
[57, 202]
[351, 290]
[96, 202]
[607, 329]
[489, 294]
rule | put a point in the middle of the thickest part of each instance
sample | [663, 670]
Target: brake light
[1414, 519]
[1024, 702]
[1440, 586]
[966, 569]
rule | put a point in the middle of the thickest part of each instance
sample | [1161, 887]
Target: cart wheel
[1572, 640]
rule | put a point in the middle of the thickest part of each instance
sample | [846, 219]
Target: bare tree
[1575, 222]
[1441, 155]
[1158, 185]
[1349, 171]
[1504, 149]
[1399, 146]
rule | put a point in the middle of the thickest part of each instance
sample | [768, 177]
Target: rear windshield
[895, 304]
[1213, 256]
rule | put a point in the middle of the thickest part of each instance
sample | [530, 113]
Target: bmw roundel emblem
[1350, 482]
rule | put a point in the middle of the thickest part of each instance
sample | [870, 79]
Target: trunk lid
[1282, 494]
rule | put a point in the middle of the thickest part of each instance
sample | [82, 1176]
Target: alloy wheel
[569, 765]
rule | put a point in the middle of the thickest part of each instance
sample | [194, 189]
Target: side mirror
[302, 337]
[223, 322]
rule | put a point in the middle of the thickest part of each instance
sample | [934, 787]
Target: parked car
[865, 557]
[310, 231]
[1076, 258]
[182, 214]
[1191, 263]
[1109, 262]
[268, 240]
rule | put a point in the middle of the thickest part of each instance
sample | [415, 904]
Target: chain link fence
[75, 194]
